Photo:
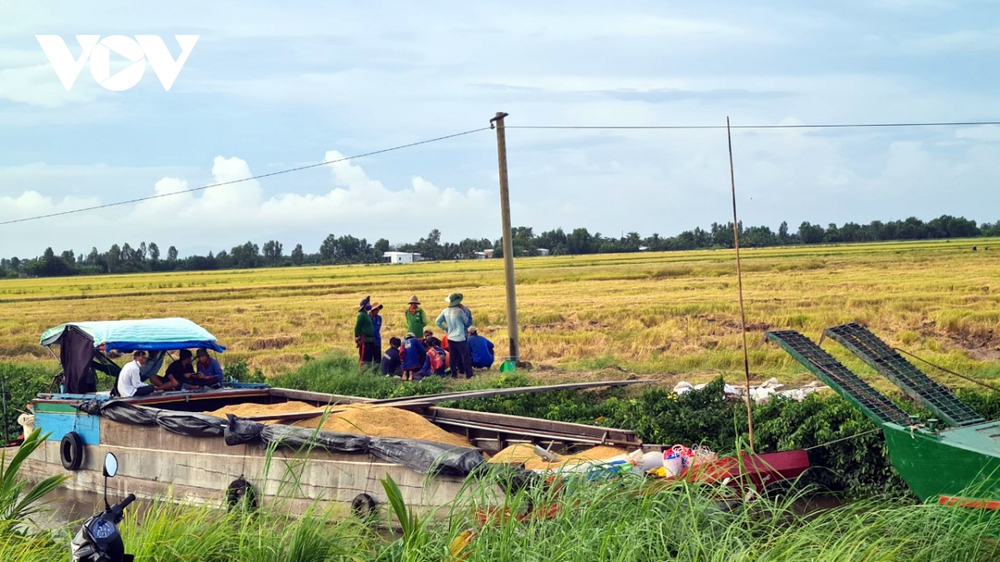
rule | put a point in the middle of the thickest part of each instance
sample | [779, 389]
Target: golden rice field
[672, 313]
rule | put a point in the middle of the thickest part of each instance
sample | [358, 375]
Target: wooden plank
[435, 414]
[603, 440]
[491, 392]
[291, 416]
[319, 397]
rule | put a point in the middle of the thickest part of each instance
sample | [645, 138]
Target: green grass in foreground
[619, 520]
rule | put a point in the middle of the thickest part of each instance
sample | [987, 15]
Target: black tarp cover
[76, 351]
[424, 457]
[192, 424]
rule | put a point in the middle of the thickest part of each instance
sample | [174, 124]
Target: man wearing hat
[416, 319]
[364, 334]
[456, 320]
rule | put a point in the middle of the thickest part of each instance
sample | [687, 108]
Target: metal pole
[508, 244]
[739, 283]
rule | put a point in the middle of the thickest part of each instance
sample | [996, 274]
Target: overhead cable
[231, 182]
[745, 127]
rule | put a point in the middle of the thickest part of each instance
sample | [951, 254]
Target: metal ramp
[856, 391]
[869, 348]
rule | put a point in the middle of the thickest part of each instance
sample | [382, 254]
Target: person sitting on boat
[481, 350]
[178, 373]
[412, 356]
[437, 359]
[391, 365]
[130, 379]
[209, 371]
[154, 360]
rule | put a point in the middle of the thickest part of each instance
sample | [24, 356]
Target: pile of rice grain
[246, 410]
[525, 454]
[384, 421]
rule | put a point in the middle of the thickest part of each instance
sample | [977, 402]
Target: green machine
[957, 461]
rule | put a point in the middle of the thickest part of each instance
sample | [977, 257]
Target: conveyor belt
[856, 391]
[869, 348]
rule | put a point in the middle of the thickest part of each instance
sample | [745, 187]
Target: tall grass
[623, 519]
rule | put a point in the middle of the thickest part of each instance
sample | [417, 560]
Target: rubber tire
[363, 506]
[71, 451]
[240, 490]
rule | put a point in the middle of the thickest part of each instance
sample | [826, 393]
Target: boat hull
[154, 462]
[953, 466]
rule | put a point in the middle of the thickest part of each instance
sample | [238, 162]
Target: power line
[231, 182]
[790, 126]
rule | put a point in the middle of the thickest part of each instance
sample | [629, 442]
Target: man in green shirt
[364, 335]
[415, 317]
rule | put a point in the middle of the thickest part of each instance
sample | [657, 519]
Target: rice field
[673, 313]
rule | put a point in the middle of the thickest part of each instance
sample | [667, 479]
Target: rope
[949, 371]
[848, 438]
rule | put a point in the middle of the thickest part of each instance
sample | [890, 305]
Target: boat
[169, 446]
[953, 458]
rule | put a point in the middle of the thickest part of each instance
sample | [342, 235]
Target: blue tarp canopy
[158, 334]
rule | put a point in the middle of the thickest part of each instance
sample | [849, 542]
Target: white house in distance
[400, 257]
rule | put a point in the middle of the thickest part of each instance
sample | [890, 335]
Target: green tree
[297, 255]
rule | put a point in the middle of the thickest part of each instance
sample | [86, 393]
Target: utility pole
[508, 244]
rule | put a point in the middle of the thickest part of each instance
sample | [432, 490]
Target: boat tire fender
[363, 505]
[241, 491]
[71, 451]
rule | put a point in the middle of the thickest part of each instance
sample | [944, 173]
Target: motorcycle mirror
[110, 465]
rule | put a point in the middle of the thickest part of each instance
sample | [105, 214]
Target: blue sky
[271, 86]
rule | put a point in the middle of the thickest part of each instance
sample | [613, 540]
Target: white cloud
[221, 217]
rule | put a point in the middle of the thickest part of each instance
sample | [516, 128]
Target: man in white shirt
[130, 379]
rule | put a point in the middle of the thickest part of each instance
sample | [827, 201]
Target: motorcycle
[98, 539]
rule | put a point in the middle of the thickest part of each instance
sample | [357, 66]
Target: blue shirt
[414, 354]
[213, 369]
[377, 326]
[481, 350]
[455, 320]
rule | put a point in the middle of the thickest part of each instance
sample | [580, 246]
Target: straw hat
[454, 299]
[414, 300]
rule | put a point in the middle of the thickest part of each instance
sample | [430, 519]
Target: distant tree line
[348, 249]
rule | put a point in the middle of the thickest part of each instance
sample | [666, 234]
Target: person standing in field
[364, 335]
[456, 320]
[376, 328]
[416, 319]
[481, 350]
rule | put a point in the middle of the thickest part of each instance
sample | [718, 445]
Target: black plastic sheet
[425, 457]
[182, 423]
[299, 437]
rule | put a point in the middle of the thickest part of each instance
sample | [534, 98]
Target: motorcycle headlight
[102, 529]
